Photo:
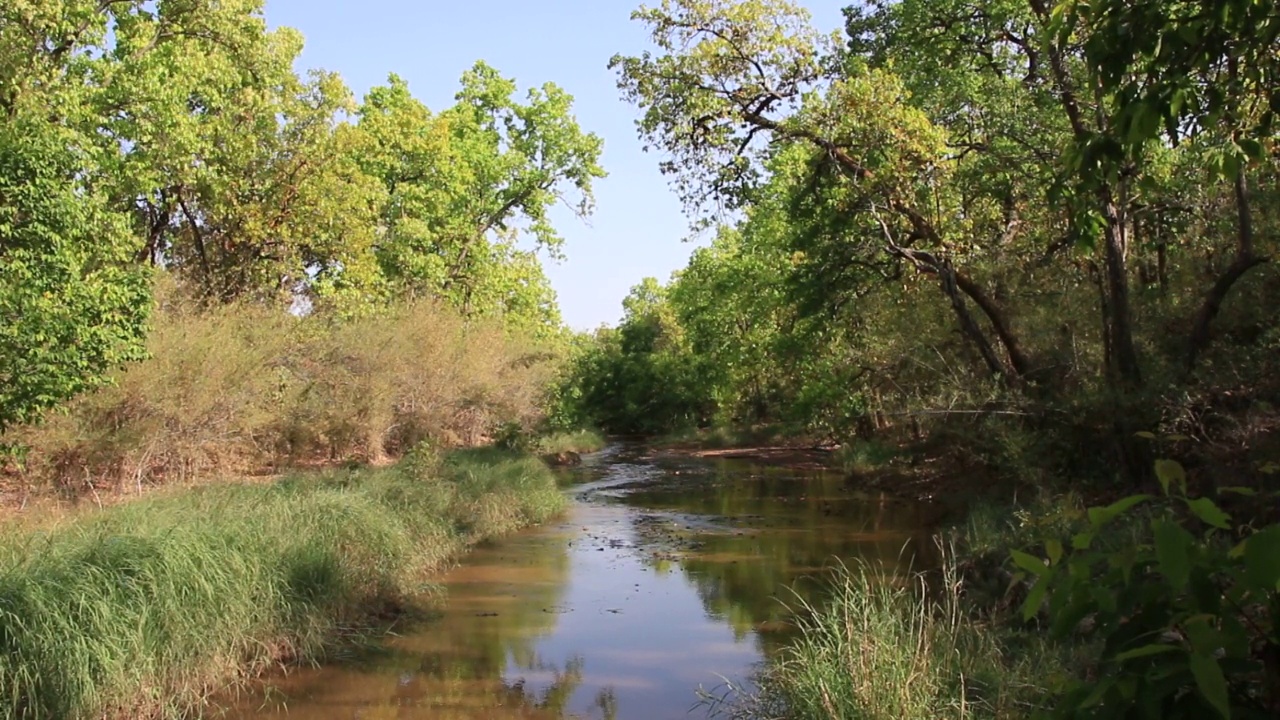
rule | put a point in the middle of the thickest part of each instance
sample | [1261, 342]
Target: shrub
[241, 389]
[1186, 617]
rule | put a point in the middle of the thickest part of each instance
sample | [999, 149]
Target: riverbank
[143, 609]
[902, 469]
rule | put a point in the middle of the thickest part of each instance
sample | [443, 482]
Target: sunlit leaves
[464, 185]
[71, 304]
[725, 73]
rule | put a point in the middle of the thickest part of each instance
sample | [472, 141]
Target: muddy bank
[791, 456]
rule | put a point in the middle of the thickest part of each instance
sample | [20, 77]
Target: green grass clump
[864, 456]
[721, 437]
[582, 441]
[893, 648]
[140, 610]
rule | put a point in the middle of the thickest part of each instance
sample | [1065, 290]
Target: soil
[792, 456]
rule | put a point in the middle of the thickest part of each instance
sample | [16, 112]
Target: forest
[1029, 242]
[1052, 220]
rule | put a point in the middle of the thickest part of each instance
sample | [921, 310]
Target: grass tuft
[582, 441]
[889, 647]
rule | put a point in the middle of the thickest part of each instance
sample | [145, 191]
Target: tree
[198, 124]
[463, 185]
[733, 73]
[1187, 69]
[72, 305]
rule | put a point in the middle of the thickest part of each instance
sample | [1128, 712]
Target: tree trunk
[970, 327]
[1123, 370]
[1118, 319]
[1017, 358]
[1245, 261]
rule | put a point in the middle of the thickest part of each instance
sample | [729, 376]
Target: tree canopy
[178, 136]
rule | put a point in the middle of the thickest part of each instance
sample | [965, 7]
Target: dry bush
[241, 389]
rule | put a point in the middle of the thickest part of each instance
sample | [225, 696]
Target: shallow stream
[667, 577]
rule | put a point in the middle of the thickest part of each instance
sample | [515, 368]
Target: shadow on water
[665, 576]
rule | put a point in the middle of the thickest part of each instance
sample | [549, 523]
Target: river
[667, 577]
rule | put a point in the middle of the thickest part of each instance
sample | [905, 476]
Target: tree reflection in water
[616, 613]
[775, 536]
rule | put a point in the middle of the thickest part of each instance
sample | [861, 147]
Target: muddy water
[665, 577]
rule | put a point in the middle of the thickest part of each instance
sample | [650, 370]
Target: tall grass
[893, 648]
[582, 441]
[244, 389]
[142, 609]
[864, 456]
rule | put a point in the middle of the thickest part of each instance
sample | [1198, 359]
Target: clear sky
[638, 227]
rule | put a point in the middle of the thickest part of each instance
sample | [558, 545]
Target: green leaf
[1030, 563]
[1035, 597]
[1171, 474]
[1252, 148]
[1173, 546]
[1082, 540]
[1211, 683]
[1247, 492]
[1237, 552]
[1210, 513]
[1101, 516]
[1146, 651]
[1262, 559]
[1100, 690]
[1053, 548]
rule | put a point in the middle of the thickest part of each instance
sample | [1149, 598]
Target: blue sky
[638, 227]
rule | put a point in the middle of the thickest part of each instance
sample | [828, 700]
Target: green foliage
[180, 594]
[179, 135]
[1183, 68]
[72, 305]
[939, 220]
[460, 184]
[581, 441]
[639, 378]
[888, 649]
[1186, 616]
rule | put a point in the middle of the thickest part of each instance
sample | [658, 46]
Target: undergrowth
[888, 647]
[243, 389]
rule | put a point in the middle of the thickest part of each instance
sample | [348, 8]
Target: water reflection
[665, 576]
[781, 533]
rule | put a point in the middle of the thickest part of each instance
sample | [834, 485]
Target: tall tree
[465, 184]
[732, 74]
[1186, 69]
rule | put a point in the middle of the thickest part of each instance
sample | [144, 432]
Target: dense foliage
[178, 136]
[1186, 617]
[958, 207]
